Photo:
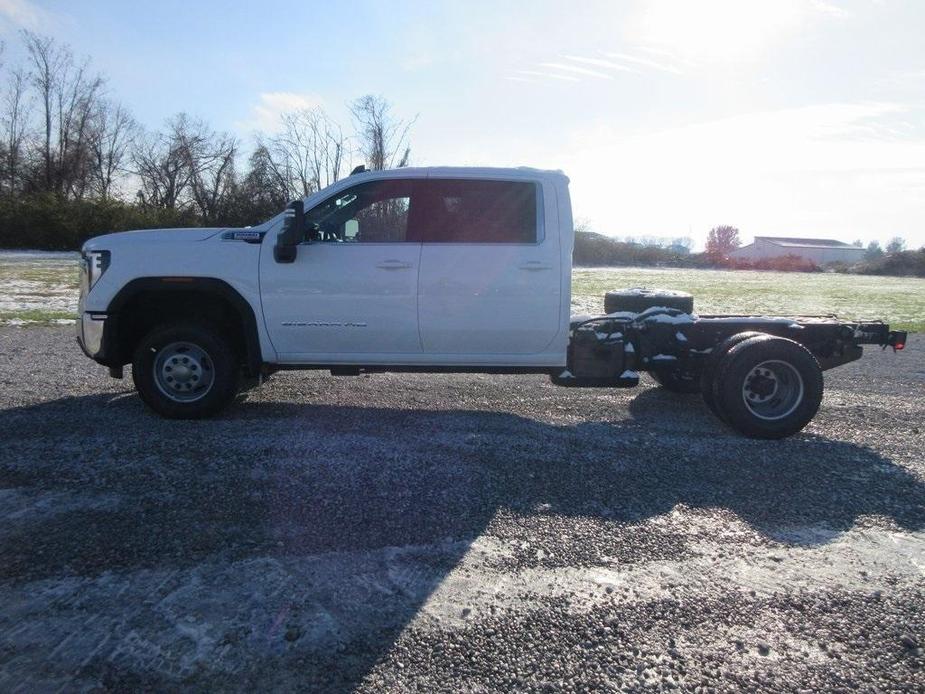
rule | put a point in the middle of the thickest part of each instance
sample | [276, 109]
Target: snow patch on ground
[859, 560]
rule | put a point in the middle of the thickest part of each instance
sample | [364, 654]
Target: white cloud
[547, 75]
[266, 113]
[646, 62]
[22, 14]
[723, 30]
[830, 8]
[599, 62]
[577, 70]
[416, 60]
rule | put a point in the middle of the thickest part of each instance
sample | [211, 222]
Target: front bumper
[93, 329]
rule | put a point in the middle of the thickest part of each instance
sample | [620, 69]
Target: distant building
[818, 251]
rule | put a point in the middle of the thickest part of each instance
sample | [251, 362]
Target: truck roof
[467, 171]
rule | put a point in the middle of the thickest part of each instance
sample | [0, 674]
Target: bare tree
[47, 61]
[382, 138]
[112, 134]
[14, 121]
[68, 96]
[188, 165]
[211, 160]
[77, 102]
[309, 153]
[161, 163]
[896, 245]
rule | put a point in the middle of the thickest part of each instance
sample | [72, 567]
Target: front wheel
[768, 387]
[185, 371]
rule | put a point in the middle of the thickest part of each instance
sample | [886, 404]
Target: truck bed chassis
[610, 350]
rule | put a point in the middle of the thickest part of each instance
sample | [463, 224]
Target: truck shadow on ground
[365, 511]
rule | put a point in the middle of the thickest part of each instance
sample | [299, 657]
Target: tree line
[593, 249]
[75, 162]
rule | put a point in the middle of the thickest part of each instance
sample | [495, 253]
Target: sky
[783, 117]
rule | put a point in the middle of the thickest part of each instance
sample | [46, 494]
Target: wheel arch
[148, 301]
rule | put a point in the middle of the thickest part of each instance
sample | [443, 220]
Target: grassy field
[37, 287]
[42, 288]
[898, 300]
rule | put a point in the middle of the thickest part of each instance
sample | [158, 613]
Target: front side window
[374, 212]
[475, 211]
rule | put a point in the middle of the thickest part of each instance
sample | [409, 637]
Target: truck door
[351, 293]
[490, 274]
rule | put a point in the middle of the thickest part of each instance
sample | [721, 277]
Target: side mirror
[292, 235]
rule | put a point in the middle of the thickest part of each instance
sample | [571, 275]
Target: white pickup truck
[428, 269]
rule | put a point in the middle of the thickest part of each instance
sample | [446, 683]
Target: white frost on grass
[59, 300]
[19, 322]
[27, 255]
[39, 283]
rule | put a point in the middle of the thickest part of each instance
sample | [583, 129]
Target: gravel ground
[455, 533]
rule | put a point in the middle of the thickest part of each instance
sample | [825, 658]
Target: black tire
[215, 359]
[768, 387]
[639, 300]
[708, 375]
[678, 380]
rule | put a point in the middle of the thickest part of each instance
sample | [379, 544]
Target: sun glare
[718, 30]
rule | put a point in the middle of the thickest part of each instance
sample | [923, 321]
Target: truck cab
[425, 267]
[418, 268]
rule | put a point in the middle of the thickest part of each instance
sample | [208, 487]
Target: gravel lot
[455, 533]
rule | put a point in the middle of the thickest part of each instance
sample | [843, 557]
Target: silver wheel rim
[772, 390]
[184, 372]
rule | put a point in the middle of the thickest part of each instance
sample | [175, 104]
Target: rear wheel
[185, 371]
[708, 375]
[768, 387]
[678, 380]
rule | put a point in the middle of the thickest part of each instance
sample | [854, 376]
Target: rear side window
[464, 211]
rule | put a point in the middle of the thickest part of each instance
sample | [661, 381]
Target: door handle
[393, 265]
[534, 265]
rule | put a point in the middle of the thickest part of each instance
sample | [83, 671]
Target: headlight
[93, 264]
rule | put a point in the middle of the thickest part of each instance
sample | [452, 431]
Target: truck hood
[110, 241]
